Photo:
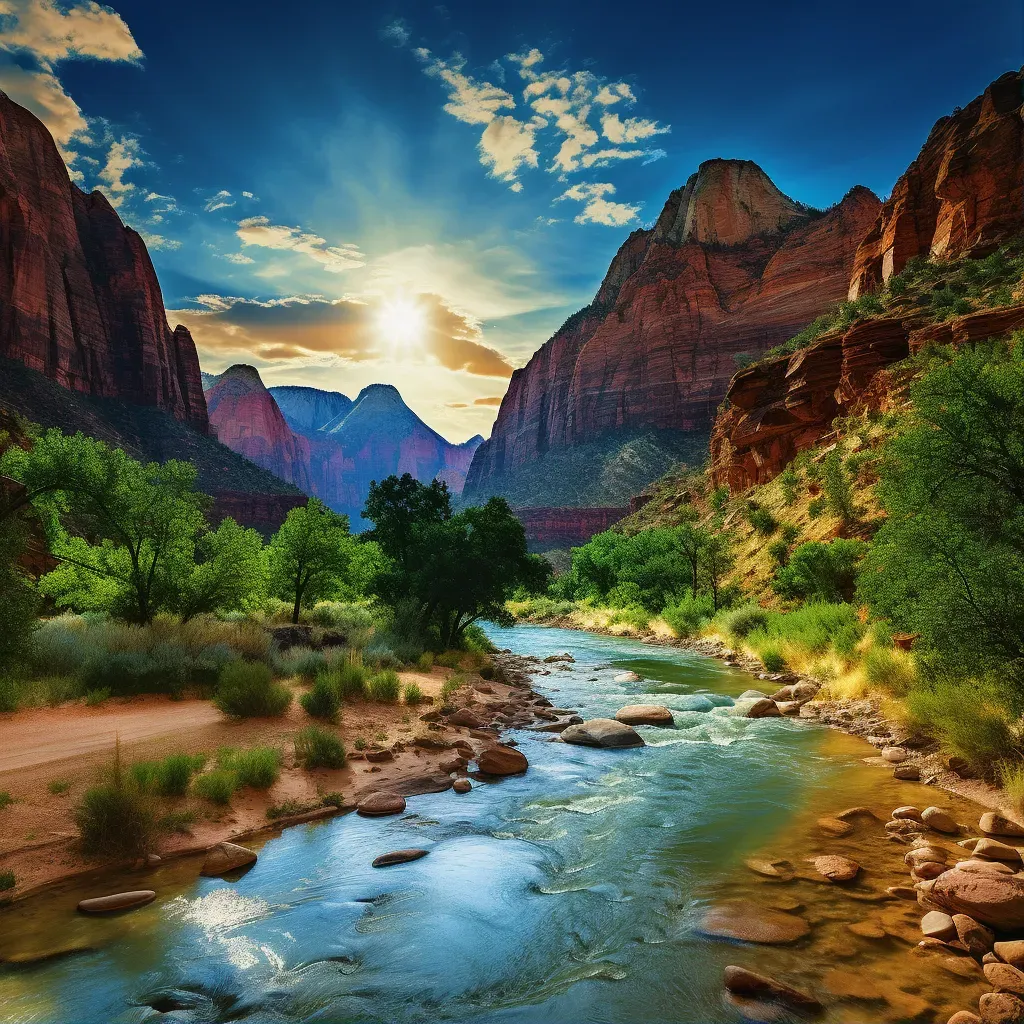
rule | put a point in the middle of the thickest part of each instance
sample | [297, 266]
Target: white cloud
[609, 94]
[159, 241]
[123, 155]
[469, 100]
[506, 145]
[259, 231]
[37, 35]
[633, 129]
[597, 209]
[248, 195]
[219, 201]
[397, 32]
[237, 257]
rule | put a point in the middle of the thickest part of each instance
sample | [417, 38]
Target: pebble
[462, 785]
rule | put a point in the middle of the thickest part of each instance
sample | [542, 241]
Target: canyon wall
[548, 528]
[731, 268]
[79, 299]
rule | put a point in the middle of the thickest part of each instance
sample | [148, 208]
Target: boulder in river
[117, 901]
[937, 925]
[1001, 1008]
[908, 813]
[763, 708]
[747, 922]
[1011, 952]
[907, 773]
[938, 819]
[742, 982]
[381, 804]
[752, 695]
[836, 868]
[603, 732]
[646, 714]
[502, 760]
[993, 824]
[993, 900]
[895, 755]
[462, 785]
[628, 677]
[992, 849]
[225, 857]
[976, 937]
[386, 860]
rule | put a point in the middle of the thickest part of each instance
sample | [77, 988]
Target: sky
[419, 194]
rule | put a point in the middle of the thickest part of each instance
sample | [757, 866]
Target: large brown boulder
[645, 714]
[994, 900]
[748, 922]
[379, 805]
[603, 732]
[1001, 1008]
[225, 857]
[993, 824]
[501, 760]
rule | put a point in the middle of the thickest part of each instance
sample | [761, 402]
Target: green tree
[948, 562]
[19, 597]
[827, 572]
[838, 495]
[716, 562]
[309, 555]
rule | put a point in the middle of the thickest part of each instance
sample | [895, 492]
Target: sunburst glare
[401, 323]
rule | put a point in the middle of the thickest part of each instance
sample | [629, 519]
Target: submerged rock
[628, 677]
[836, 868]
[993, 900]
[386, 860]
[225, 857]
[603, 732]
[117, 901]
[742, 982]
[748, 922]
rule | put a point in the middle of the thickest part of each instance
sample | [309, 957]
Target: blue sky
[420, 194]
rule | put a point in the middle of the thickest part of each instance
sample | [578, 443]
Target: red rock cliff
[731, 267]
[79, 299]
[548, 528]
[963, 193]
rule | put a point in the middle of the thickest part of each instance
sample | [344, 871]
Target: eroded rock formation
[731, 268]
[548, 528]
[79, 299]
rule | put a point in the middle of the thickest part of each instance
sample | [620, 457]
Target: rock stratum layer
[328, 445]
[731, 268]
[79, 299]
[548, 528]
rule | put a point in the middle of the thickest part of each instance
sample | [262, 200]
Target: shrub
[889, 669]
[177, 821]
[838, 495]
[719, 498]
[247, 690]
[425, 662]
[824, 571]
[258, 767]
[5, 799]
[217, 786]
[10, 694]
[384, 686]
[359, 743]
[318, 748]
[790, 532]
[690, 614]
[93, 698]
[300, 661]
[350, 681]
[772, 658]
[816, 507]
[779, 551]
[452, 684]
[634, 615]
[412, 693]
[169, 777]
[1010, 775]
[115, 819]
[762, 520]
[450, 659]
[7, 881]
[58, 787]
[743, 620]
[789, 481]
[322, 701]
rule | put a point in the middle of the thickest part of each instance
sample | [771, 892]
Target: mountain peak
[726, 202]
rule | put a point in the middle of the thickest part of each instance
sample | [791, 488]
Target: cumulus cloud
[159, 241]
[218, 201]
[122, 156]
[237, 257]
[597, 209]
[560, 106]
[334, 258]
[304, 327]
[36, 36]
[397, 32]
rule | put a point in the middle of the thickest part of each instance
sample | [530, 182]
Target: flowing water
[571, 894]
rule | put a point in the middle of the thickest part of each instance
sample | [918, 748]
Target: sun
[401, 323]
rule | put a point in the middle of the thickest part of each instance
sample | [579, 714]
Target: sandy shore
[50, 756]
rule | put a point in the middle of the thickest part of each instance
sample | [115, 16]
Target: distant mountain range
[328, 445]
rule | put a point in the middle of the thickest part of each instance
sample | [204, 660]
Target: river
[573, 893]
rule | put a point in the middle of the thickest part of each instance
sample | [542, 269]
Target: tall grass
[890, 670]
[741, 621]
[116, 818]
[690, 614]
[316, 747]
[1010, 775]
[257, 767]
[322, 701]
[384, 687]
[247, 690]
[412, 693]
[217, 786]
[169, 777]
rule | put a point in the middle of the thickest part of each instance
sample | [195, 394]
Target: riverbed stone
[927, 869]
[386, 860]
[964, 1017]
[748, 922]
[993, 824]
[1011, 952]
[939, 820]
[752, 695]
[1001, 1008]
[902, 892]
[117, 901]
[836, 868]
[867, 929]
[994, 900]
[780, 869]
[1004, 978]
[974, 935]
[628, 677]
[904, 827]
[895, 755]
[466, 719]
[502, 760]
[763, 708]
[907, 773]
[995, 850]
[804, 692]
[462, 786]
[741, 982]
[908, 813]
[381, 804]
[225, 857]
[985, 867]
[937, 925]
[603, 732]
[646, 714]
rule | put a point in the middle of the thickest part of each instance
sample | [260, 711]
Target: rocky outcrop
[731, 268]
[263, 512]
[963, 193]
[548, 528]
[79, 299]
[306, 410]
[247, 419]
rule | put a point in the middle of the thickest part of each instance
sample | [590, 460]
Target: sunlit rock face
[731, 268]
[334, 457]
[79, 299]
[963, 193]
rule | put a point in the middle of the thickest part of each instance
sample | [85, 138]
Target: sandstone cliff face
[306, 410]
[732, 267]
[963, 193]
[79, 299]
[246, 418]
[548, 528]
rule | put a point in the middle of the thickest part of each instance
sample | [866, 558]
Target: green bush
[762, 520]
[887, 669]
[257, 767]
[452, 684]
[169, 777]
[821, 571]
[300, 661]
[838, 495]
[412, 694]
[116, 819]
[217, 786]
[816, 628]
[322, 701]
[93, 698]
[743, 620]
[425, 662]
[318, 748]
[5, 799]
[385, 687]
[772, 658]
[58, 787]
[247, 690]
[779, 552]
[10, 694]
[7, 881]
[690, 614]
[816, 507]
[789, 481]
[450, 659]
[350, 681]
